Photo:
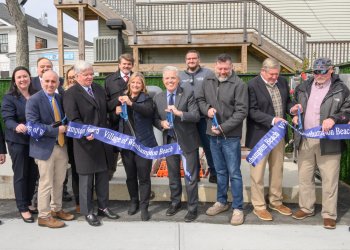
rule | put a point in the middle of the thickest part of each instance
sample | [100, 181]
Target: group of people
[207, 108]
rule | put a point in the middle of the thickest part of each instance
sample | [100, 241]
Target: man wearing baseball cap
[323, 101]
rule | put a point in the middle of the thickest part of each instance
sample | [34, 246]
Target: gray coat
[229, 98]
[335, 105]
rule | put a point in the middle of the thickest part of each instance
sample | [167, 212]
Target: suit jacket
[2, 142]
[37, 84]
[13, 114]
[90, 156]
[185, 128]
[39, 111]
[115, 86]
[261, 111]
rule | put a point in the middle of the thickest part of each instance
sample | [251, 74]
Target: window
[40, 43]
[4, 48]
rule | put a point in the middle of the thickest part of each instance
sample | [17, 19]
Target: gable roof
[35, 24]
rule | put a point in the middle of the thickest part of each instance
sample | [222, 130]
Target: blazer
[13, 114]
[37, 84]
[261, 111]
[185, 127]
[115, 86]
[39, 111]
[90, 156]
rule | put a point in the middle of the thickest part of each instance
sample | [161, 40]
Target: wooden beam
[60, 42]
[244, 58]
[135, 51]
[81, 33]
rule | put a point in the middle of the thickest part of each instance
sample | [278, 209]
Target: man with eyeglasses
[323, 100]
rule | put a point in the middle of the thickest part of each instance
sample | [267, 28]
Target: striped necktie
[57, 119]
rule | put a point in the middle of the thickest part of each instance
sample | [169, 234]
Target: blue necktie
[171, 102]
[90, 92]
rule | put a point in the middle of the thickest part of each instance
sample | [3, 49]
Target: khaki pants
[275, 160]
[52, 174]
[329, 165]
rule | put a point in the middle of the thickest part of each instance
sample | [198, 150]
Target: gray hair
[81, 66]
[271, 63]
[171, 68]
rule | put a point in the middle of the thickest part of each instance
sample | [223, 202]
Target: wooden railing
[337, 51]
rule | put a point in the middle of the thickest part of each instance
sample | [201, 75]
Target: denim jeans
[202, 130]
[227, 160]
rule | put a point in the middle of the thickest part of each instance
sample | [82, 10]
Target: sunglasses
[321, 72]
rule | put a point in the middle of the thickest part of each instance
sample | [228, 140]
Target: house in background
[159, 32]
[42, 39]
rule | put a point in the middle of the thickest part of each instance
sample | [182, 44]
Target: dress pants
[25, 174]
[275, 160]
[309, 157]
[138, 177]
[86, 187]
[52, 174]
[75, 176]
[173, 164]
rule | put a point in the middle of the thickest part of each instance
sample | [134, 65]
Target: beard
[222, 78]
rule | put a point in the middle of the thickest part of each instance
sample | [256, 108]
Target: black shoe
[35, 211]
[66, 196]
[107, 213]
[173, 209]
[134, 207]
[0, 222]
[213, 179]
[191, 216]
[145, 216]
[27, 220]
[93, 220]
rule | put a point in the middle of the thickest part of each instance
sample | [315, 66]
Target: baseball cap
[322, 64]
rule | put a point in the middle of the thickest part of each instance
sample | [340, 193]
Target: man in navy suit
[49, 151]
[269, 103]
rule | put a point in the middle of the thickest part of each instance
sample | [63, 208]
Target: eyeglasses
[71, 77]
[321, 72]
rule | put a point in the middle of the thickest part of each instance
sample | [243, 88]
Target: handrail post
[245, 13]
[134, 21]
[260, 25]
[304, 46]
[189, 36]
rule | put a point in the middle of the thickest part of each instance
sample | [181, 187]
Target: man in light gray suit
[182, 105]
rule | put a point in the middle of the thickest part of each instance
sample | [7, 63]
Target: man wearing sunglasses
[323, 101]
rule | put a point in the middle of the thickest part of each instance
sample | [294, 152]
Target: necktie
[57, 115]
[126, 78]
[90, 92]
[171, 102]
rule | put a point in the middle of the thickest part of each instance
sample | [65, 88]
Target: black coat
[115, 86]
[90, 156]
[2, 142]
[261, 111]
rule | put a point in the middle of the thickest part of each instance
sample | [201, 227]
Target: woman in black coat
[13, 113]
[140, 118]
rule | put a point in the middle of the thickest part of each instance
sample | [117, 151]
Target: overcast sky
[36, 7]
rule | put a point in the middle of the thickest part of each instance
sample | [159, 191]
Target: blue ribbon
[300, 123]
[77, 130]
[170, 118]
[124, 113]
[215, 122]
[35, 130]
[277, 132]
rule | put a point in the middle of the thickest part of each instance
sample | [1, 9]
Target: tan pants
[52, 174]
[329, 165]
[275, 160]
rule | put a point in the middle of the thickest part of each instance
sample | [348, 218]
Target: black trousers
[25, 174]
[87, 183]
[75, 176]
[175, 185]
[138, 177]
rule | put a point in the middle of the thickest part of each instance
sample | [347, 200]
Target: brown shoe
[282, 209]
[62, 215]
[300, 215]
[77, 209]
[329, 223]
[263, 214]
[50, 222]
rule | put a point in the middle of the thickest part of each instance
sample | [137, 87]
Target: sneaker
[50, 222]
[300, 215]
[217, 208]
[263, 214]
[329, 223]
[282, 209]
[237, 217]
